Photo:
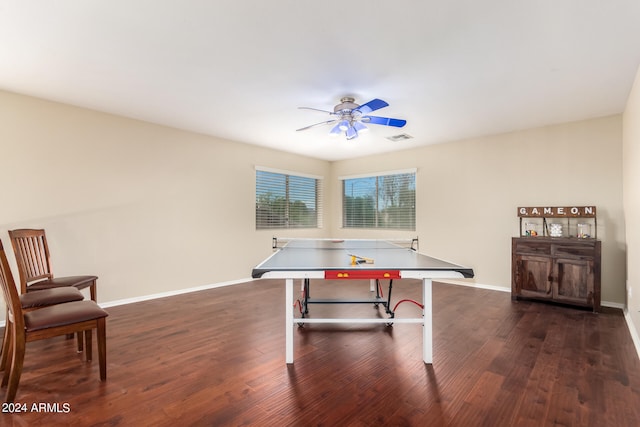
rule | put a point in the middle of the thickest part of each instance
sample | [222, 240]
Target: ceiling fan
[350, 117]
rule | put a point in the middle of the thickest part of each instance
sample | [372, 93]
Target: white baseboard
[171, 293]
[632, 331]
[475, 285]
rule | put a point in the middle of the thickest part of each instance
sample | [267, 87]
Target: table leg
[289, 320]
[427, 328]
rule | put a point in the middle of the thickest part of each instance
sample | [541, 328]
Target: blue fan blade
[373, 105]
[384, 121]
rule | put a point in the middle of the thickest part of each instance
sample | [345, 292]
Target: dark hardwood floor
[216, 358]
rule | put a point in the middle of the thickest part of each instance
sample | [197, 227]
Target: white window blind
[287, 200]
[385, 201]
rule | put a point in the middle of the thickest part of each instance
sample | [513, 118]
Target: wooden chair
[43, 323]
[36, 300]
[34, 265]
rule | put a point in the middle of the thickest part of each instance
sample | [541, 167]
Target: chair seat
[62, 315]
[52, 296]
[75, 281]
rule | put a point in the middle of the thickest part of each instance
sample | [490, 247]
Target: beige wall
[152, 209]
[468, 192]
[147, 208]
[631, 186]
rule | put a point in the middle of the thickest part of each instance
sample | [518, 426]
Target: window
[386, 201]
[284, 200]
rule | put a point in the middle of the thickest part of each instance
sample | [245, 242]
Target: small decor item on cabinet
[584, 231]
[555, 230]
[531, 229]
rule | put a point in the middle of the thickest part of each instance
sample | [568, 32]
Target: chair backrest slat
[32, 255]
[9, 291]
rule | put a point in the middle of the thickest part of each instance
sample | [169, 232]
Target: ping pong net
[344, 244]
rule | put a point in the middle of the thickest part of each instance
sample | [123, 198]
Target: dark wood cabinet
[563, 270]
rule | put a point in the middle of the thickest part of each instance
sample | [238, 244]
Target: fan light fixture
[359, 127]
[335, 131]
[350, 116]
[352, 133]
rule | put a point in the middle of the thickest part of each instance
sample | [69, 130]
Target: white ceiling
[239, 69]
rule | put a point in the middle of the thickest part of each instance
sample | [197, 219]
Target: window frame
[377, 175]
[262, 224]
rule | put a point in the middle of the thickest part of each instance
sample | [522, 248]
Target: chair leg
[5, 345]
[7, 350]
[88, 344]
[80, 343]
[102, 347]
[17, 361]
[93, 291]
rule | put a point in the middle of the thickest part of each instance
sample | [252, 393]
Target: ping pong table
[355, 259]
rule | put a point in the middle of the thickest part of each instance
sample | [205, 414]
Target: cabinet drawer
[533, 248]
[577, 252]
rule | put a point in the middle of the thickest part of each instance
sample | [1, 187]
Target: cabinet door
[574, 281]
[533, 275]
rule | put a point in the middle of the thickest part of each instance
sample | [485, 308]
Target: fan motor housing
[346, 105]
